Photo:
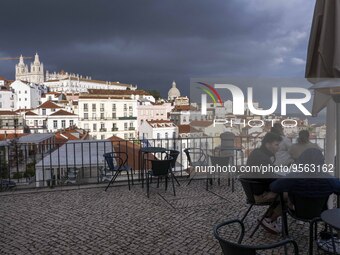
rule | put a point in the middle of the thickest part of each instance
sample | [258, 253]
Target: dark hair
[271, 137]
[303, 136]
[277, 128]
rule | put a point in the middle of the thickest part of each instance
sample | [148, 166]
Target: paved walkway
[119, 221]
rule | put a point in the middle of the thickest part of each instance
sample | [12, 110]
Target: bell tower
[21, 70]
[37, 70]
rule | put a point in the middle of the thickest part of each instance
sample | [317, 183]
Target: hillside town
[38, 101]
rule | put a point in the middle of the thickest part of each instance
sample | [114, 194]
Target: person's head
[277, 128]
[303, 136]
[271, 142]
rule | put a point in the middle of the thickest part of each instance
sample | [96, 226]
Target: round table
[332, 218]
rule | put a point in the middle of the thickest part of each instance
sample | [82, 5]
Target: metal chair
[174, 155]
[196, 158]
[237, 248]
[308, 209]
[117, 162]
[220, 161]
[160, 168]
[249, 186]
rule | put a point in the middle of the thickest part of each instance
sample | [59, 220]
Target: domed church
[173, 92]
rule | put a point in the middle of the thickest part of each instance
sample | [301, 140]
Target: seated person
[304, 184]
[282, 156]
[302, 144]
[265, 155]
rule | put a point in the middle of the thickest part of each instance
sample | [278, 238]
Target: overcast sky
[152, 43]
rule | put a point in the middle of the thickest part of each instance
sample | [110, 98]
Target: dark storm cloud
[151, 43]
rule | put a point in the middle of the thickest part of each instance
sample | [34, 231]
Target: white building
[49, 117]
[108, 113]
[61, 120]
[158, 129]
[11, 123]
[28, 94]
[36, 73]
[149, 111]
[82, 85]
[7, 99]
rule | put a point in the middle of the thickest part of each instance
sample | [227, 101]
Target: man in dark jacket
[265, 156]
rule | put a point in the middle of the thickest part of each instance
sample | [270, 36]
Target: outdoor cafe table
[145, 151]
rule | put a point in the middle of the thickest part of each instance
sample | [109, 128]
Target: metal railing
[82, 162]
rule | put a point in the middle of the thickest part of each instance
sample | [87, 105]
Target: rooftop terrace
[88, 220]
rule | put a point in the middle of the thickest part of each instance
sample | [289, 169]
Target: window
[0, 104]
[93, 107]
[25, 91]
[101, 115]
[102, 137]
[93, 115]
[125, 107]
[63, 123]
[86, 107]
[125, 126]
[19, 99]
[102, 125]
[86, 116]
[114, 116]
[43, 111]
[71, 122]
[25, 99]
[113, 107]
[86, 126]
[158, 135]
[35, 123]
[94, 127]
[174, 135]
[55, 124]
[166, 135]
[101, 107]
[125, 136]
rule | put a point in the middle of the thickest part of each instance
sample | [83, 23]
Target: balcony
[114, 129]
[102, 130]
[132, 128]
[127, 118]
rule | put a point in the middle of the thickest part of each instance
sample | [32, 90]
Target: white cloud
[298, 61]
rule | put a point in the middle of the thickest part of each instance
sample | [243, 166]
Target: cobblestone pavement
[119, 221]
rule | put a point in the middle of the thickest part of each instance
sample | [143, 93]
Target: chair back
[174, 154]
[161, 167]
[250, 186]
[229, 247]
[195, 155]
[307, 208]
[115, 159]
[219, 160]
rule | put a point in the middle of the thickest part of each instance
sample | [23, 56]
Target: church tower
[21, 70]
[37, 70]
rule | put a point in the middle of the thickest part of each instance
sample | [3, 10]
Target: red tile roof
[49, 105]
[29, 113]
[62, 113]
[201, 123]
[187, 129]
[11, 136]
[8, 113]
